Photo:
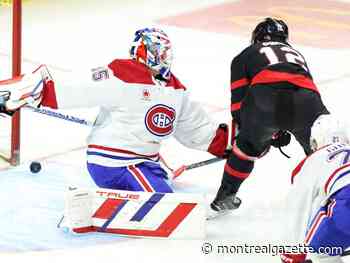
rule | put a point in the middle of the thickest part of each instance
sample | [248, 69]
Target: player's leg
[149, 176]
[308, 107]
[329, 231]
[108, 177]
[303, 137]
[140, 177]
[251, 143]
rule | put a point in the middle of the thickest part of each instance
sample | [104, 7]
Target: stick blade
[179, 171]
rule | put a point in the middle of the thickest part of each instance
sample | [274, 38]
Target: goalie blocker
[142, 214]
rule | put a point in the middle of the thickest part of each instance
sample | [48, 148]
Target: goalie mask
[327, 130]
[270, 29]
[152, 47]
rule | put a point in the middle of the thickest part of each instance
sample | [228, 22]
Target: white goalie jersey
[314, 181]
[137, 113]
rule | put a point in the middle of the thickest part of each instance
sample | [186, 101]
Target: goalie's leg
[146, 177]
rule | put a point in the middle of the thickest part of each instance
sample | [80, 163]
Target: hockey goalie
[141, 104]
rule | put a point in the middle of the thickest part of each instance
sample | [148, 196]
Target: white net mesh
[5, 137]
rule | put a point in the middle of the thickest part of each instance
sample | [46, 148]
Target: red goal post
[10, 127]
[16, 71]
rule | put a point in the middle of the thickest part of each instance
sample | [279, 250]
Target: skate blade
[214, 214]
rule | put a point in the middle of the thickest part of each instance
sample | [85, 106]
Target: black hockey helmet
[270, 29]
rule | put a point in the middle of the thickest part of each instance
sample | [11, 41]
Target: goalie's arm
[196, 130]
[88, 88]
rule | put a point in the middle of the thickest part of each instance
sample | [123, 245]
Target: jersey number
[286, 54]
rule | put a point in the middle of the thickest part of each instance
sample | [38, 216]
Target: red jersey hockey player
[272, 92]
[317, 209]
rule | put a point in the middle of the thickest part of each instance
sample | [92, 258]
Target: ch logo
[159, 120]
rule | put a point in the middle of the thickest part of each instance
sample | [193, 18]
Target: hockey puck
[35, 167]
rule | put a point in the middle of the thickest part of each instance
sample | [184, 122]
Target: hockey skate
[224, 202]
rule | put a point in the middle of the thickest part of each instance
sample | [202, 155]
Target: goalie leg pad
[162, 215]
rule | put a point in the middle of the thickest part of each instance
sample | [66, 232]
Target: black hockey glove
[280, 139]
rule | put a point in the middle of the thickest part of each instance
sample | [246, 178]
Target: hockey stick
[71, 118]
[183, 168]
[59, 115]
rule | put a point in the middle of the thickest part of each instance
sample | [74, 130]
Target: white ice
[68, 34]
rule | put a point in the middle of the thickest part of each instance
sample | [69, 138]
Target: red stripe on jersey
[301, 164]
[131, 71]
[315, 226]
[239, 83]
[332, 176]
[269, 76]
[317, 222]
[235, 173]
[100, 147]
[141, 178]
[235, 106]
[297, 169]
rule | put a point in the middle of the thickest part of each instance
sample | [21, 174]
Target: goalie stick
[60, 115]
[183, 168]
[71, 118]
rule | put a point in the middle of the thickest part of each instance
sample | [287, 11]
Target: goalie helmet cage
[11, 127]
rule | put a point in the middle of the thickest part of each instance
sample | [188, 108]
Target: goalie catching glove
[28, 89]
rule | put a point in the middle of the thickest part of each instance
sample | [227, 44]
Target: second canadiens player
[317, 209]
[143, 103]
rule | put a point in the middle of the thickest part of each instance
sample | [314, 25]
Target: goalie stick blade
[179, 171]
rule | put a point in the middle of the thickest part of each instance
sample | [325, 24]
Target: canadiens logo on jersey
[159, 120]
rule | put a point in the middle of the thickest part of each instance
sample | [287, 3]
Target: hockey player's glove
[280, 139]
[23, 90]
[219, 144]
[293, 258]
